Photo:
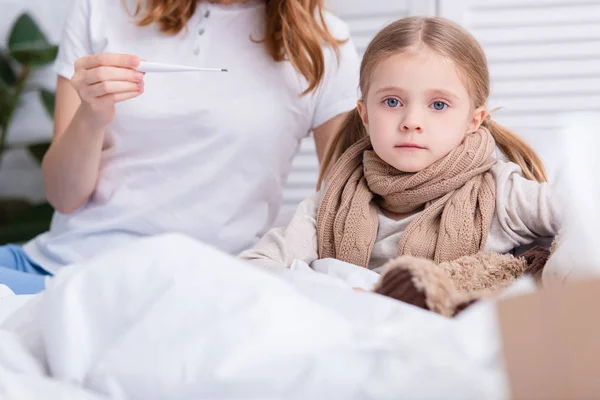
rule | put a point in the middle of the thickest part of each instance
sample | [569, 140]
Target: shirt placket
[200, 40]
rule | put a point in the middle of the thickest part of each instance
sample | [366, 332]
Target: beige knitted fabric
[457, 193]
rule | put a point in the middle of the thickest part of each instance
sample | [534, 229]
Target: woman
[201, 153]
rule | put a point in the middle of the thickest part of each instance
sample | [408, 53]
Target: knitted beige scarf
[457, 195]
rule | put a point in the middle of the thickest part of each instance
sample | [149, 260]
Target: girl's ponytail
[350, 132]
[517, 151]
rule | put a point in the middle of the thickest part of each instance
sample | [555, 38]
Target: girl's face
[417, 109]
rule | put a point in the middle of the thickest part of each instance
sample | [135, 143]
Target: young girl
[414, 170]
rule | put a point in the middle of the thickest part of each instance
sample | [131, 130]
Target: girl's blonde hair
[449, 40]
[295, 30]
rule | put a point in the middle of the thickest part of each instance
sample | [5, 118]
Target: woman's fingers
[112, 87]
[107, 60]
[119, 97]
[101, 74]
[101, 80]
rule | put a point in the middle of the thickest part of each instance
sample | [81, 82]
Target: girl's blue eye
[391, 102]
[439, 105]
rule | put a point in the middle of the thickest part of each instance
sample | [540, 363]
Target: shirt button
[201, 31]
[207, 14]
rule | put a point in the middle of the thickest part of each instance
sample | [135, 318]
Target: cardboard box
[551, 342]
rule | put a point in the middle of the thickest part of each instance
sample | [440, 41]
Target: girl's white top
[204, 154]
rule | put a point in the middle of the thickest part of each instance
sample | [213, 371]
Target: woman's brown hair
[452, 41]
[292, 31]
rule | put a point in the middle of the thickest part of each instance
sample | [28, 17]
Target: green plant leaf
[7, 100]
[36, 213]
[47, 98]
[7, 74]
[22, 232]
[25, 31]
[9, 208]
[34, 53]
[28, 223]
[27, 43]
[38, 150]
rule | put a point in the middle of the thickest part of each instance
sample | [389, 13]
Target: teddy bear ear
[398, 284]
[536, 259]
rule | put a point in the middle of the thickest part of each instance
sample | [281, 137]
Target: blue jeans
[19, 273]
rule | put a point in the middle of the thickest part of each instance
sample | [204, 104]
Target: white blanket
[578, 256]
[170, 318]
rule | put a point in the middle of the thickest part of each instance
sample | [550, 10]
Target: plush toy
[449, 287]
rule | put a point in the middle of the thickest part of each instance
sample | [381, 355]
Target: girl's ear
[362, 110]
[477, 118]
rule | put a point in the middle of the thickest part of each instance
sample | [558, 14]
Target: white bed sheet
[169, 317]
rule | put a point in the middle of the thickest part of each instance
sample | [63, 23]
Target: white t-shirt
[204, 154]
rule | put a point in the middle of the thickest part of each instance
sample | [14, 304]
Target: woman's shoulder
[110, 10]
[336, 26]
[105, 5]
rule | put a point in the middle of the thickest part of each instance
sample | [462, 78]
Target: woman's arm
[338, 92]
[324, 132]
[84, 107]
